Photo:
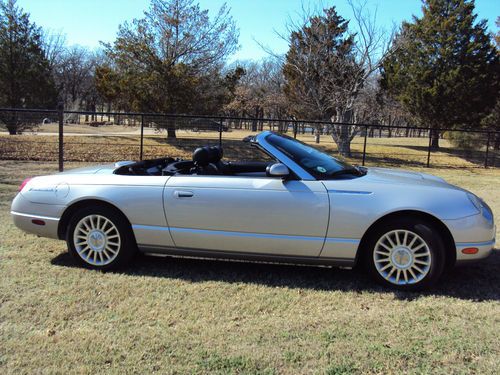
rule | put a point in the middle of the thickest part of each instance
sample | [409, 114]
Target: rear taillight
[21, 187]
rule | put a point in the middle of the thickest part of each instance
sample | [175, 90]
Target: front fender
[353, 211]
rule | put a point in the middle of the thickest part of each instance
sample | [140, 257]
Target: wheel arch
[447, 237]
[75, 206]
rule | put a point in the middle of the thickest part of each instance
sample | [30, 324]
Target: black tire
[377, 257]
[122, 234]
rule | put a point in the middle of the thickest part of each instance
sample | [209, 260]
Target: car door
[263, 215]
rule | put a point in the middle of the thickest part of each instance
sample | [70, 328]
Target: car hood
[403, 177]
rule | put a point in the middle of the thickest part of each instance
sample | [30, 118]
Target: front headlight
[475, 201]
[482, 207]
[487, 212]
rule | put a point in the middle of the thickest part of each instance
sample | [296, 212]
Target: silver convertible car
[301, 206]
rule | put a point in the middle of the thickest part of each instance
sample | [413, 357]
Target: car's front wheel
[100, 238]
[407, 254]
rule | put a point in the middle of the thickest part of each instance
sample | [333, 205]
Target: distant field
[84, 129]
[205, 317]
[111, 143]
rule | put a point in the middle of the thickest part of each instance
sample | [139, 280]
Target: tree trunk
[171, 128]
[434, 139]
[11, 122]
[344, 146]
[12, 129]
[171, 132]
[261, 122]
[254, 121]
[343, 134]
[254, 125]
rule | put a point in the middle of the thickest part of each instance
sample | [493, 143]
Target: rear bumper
[32, 224]
[37, 218]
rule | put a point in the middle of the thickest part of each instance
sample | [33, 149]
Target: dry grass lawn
[105, 146]
[190, 316]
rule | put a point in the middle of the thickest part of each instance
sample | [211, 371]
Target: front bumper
[474, 231]
[484, 250]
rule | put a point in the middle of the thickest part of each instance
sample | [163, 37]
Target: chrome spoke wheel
[402, 257]
[97, 240]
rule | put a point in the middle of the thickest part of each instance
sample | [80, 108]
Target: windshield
[318, 164]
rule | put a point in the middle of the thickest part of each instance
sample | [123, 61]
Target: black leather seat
[216, 154]
[205, 160]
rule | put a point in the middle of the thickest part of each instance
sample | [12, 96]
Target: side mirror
[278, 170]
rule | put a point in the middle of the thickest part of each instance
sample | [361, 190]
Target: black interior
[206, 161]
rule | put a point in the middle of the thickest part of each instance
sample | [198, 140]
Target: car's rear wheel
[406, 254]
[100, 238]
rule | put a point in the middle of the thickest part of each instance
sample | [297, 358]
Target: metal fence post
[487, 151]
[364, 145]
[220, 133]
[142, 138]
[429, 149]
[60, 115]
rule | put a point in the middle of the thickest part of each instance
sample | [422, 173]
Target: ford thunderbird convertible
[298, 205]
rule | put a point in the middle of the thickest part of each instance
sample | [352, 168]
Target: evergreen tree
[492, 120]
[320, 65]
[170, 60]
[25, 77]
[443, 67]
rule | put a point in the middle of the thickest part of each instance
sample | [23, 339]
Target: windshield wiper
[356, 171]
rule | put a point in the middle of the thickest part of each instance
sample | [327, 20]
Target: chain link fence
[58, 135]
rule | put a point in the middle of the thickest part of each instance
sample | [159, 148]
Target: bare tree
[259, 92]
[75, 77]
[184, 34]
[54, 47]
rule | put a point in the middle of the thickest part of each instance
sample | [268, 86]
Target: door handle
[183, 194]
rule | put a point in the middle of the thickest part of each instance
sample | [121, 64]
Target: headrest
[216, 154]
[201, 156]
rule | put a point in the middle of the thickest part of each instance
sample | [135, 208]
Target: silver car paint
[306, 218]
[247, 214]
[139, 198]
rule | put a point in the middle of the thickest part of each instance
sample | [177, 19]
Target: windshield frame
[300, 170]
[302, 174]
